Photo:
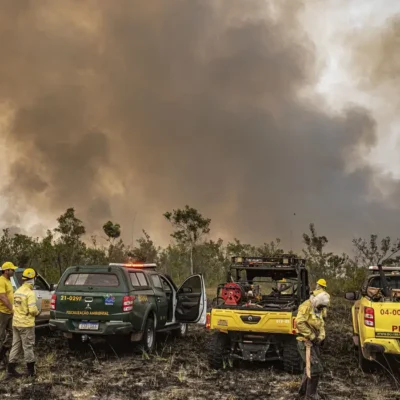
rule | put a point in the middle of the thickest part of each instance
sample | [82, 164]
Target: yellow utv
[376, 316]
[253, 315]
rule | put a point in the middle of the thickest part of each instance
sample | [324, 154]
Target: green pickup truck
[131, 300]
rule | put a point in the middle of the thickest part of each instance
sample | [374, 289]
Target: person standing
[25, 311]
[6, 309]
[320, 287]
[311, 327]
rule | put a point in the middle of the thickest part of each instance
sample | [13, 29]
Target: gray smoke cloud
[131, 108]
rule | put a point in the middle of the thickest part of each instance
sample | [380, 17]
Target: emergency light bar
[388, 268]
[135, 265]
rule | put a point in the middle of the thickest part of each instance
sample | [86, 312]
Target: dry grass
[179, 371]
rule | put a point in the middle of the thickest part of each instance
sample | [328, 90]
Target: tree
[71, 230]
[173, 261]
[211, 261]
[113, 232]
[190, 226]
[70, 227]
[318, 260]
[270, 249]
[237, 248]
[146, 251]
[373, 252]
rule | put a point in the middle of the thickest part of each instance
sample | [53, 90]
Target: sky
[338, 84]
[264, 115]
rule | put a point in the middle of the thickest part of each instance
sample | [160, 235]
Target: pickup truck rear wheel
[365, 365]
[292, 361]
[219, 350]
[181, 332]
[149, 336]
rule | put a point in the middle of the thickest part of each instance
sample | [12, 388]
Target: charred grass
[179, 371]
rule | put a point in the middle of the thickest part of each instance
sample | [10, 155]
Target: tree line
[190, 251]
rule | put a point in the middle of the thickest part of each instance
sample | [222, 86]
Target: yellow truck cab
[376, 316]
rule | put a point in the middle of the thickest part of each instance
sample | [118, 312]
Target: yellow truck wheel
[365, 365]
[219, 350]
[292, 361]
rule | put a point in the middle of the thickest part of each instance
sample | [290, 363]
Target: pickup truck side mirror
[352, 296]
[186, 290]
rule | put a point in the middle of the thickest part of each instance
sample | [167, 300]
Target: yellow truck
[253, 315]
[376, 316]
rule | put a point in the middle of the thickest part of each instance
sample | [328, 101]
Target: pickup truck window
[40, 284]
[92, 279]
[166, 285]
[393, 282]
[156, 281]
[138, 279]
[193, 283]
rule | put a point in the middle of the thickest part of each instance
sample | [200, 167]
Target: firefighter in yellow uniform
[311, 327]
[6, 309]
[320, 288]
[25, 311]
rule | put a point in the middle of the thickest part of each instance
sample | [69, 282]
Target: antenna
[291, 233]
[133, 224]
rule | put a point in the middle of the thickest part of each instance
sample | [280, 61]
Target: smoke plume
[132, 108]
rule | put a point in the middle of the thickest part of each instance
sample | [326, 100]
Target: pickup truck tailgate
[386, 319]
[89, 305]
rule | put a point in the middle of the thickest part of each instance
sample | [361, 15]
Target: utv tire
[292, 361]
[219, 349]
[365, 365]
[181, 332]
[148, 341]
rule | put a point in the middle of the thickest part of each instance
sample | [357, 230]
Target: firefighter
[320, 287]
[6, 309]
[311, 327]
[25, 311]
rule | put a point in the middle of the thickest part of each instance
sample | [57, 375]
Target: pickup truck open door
[191, 301]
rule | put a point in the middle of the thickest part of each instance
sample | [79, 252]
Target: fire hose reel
[231, 293]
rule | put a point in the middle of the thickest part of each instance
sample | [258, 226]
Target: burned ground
[179, 370]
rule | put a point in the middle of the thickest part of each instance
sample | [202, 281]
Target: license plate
[89, 326]
[45, 305]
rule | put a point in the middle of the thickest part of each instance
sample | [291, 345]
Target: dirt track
[180, 371]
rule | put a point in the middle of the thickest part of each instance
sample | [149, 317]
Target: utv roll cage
[285, 266]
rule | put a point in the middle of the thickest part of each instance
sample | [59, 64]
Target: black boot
[31, 368]
[3, 356]
[303, 387]
[11, 372]
[312, 387]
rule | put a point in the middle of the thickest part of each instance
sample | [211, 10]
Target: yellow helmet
[321, 282]
[8, 265]
[283, 280]
[29, 273]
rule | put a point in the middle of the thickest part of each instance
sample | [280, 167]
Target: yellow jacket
[25, 309]
[309, 324]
